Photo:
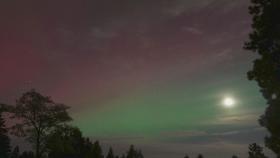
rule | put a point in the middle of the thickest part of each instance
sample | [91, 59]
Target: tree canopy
[4, 139]
[200, 156]
[38, 116]
[133, 153]
[256, 151]
[265, 41]
[110, 153]
[65, 141]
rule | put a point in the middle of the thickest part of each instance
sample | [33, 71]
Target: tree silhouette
[132, 153]
[265, 40]
[96, 150]
[187, 156]
[200, 156]
[255, 151]
[234, 156]
[4, 139]
[66, 142]
[87, 148]
[38, 116]
[110, 153]
[140, 155]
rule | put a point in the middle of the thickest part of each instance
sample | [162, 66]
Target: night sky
[152, 73]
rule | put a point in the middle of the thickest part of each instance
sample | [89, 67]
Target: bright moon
[228, 102]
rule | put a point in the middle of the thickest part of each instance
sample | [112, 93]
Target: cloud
[182, 6]
[188, 133]
[193, 30]
[242, 131]
[225, 54]
[122, 138]
[226, 133]
[235, 119]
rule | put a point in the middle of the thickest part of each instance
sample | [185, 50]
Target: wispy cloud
[186, 133]
[242, 131]
[193, 30]
[235, 119]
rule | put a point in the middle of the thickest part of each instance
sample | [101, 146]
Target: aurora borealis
[152, 73]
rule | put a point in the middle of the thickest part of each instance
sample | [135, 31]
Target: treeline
[45, 125]
[255, 151]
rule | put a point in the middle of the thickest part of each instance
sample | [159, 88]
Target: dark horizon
[166, 76]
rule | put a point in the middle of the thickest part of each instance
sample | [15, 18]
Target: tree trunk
[38, 155]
